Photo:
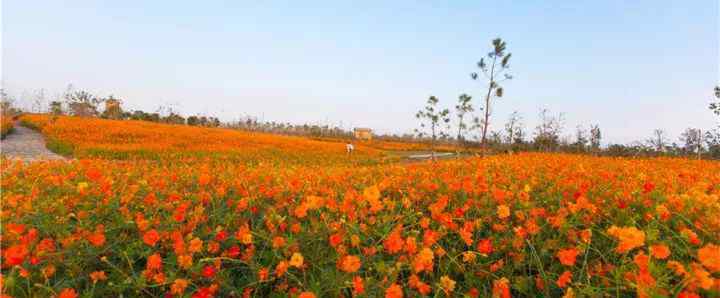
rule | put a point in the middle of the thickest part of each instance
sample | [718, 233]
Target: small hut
[362, 133]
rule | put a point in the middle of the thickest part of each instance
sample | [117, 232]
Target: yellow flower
[355, 240]
[82, 186]
[503, 211]
[469, 256]
[447, 284]
[297, 260]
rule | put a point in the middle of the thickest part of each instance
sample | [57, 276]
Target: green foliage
[60, 147]
[715, 106]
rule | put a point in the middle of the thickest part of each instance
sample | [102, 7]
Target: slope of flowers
[521, 225]
[114, 139]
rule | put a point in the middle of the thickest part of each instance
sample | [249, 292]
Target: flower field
[115, 139]
[175, 211]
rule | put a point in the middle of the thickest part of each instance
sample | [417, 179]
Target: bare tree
[513, 129]
[82, 103]
[658, 141]
[494, 71]
[39, 101]
[6, 102]
[435, 119]
[463, 107]
[581, 139]
[595, 137]
[548, 131]
[691, 140]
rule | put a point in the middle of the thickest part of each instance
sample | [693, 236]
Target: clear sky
[629, 66]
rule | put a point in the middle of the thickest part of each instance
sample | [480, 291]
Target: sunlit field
[158, 210]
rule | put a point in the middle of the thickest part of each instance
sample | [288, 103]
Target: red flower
[68, 293]
[208, 271]
[335, 239]
[485, 246]
[15, 255]
[151, 237]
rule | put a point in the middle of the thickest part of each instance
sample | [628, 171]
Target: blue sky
[629, 66]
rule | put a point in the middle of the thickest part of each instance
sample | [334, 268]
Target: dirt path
[26, 144]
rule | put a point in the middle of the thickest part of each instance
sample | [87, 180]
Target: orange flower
[350, 264]
[485, 246]
[410, 245]
[700, 277]
[629, 237]
[692, 236]
[301, 211]
[306, 295]
[263, 274]
[97, 238]
[394, 291]
[159, 278]
[501, 288]
[394, 242]
[564, 279]
[98, 276]
[68, 293]
[178, 286]
[358, 286]
[567, 256]
[244, 235]
[660, 251]
[196, 245]
[503, 211]
[423, 261]
[677, 268]
[586, 235]
[281, 268]
[296, 260]
[154, 262]
[278, 242]
[151, 237]
[709, 257]
[185, 261]
[48, 271]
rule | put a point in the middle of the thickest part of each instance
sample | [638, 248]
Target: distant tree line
[82, 103]
[249, 123]
[548, 135]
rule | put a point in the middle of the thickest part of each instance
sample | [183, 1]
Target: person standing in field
[349, 148]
